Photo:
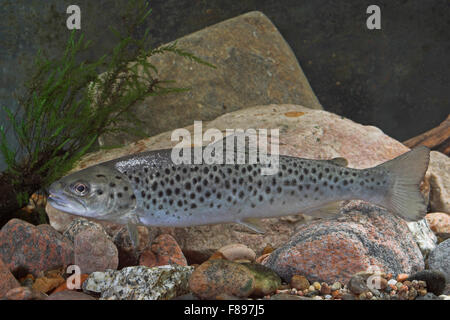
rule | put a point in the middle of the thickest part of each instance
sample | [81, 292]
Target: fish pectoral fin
[133, 233]
[329, 210]
[253, 224]
[342, 162]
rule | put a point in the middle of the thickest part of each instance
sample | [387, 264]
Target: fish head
[97, 192]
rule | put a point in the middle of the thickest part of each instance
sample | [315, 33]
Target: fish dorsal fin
[253, 224]
[342, 162]
[326, 211]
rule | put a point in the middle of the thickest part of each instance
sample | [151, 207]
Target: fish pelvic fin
[407, 171]
[134, 234]
[253, 224]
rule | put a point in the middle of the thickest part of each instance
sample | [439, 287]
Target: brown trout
[149, 189]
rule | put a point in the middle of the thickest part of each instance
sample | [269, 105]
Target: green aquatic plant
[67, 105]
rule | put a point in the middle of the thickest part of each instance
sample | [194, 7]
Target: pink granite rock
[363, 238]
[25, 248]
[94, 251]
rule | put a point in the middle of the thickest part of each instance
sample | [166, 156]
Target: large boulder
[255, 66]
[363, 238]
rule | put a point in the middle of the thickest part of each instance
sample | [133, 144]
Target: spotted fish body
[149, 189]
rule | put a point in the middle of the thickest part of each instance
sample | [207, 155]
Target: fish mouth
[59, 202]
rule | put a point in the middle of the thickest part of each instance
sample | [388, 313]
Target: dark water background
[395, 78]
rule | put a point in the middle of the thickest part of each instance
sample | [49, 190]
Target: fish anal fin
[328, 210]
[253, 224]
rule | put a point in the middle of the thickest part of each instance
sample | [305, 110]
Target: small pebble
[392, 282]
[336, 286]
[311, 288]
[317, 285]
[402, 277]
[369, 295]
[328, 296]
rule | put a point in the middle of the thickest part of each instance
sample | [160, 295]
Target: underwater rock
[299, 282]
[94, 251]
[140, 283]
[439, 222]
[439, 259]
[423, 235]
[237, 251]
[266, 281]
[7, 280]
[435, 280]
[79, 225]
[218, 276]
[255, 66]
[28, 249]
[438, 175]
[69, 295]
[357, 285]
[364, 237]
[163, 251]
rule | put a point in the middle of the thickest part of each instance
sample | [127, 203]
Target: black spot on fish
[112, 184]
[133, 197]
[154, 186]
[137, 180]
[119, 195]
[100, 176]
[99, 192]
[125, 188]
[193, 206]
[111, 195]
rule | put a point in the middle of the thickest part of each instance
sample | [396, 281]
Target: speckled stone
[167, 251]
[25, 248]
[140, 283]
[363, 237]
[266, 281]
[423, 235]
[214, 277]
[439, 259]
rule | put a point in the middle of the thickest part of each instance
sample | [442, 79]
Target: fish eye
[81, 188]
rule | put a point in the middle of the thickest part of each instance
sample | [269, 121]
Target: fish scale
[149, 189]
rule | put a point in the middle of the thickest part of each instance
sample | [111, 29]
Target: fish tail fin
[407, 171]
